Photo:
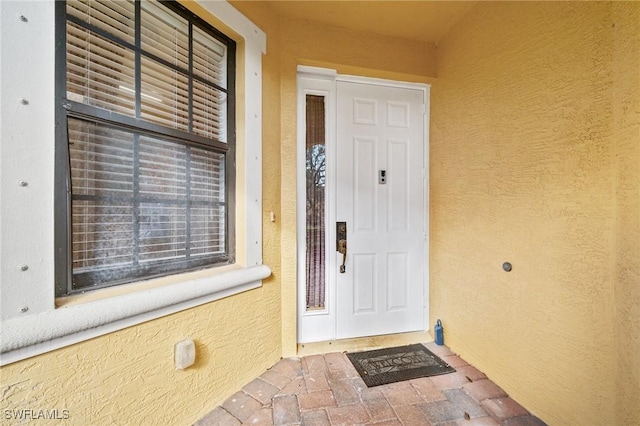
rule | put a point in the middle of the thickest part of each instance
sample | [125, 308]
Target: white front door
[380, 195]
[375, 148]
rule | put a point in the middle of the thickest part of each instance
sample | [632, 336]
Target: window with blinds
[145, 143]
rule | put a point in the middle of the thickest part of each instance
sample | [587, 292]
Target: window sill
[86, 316]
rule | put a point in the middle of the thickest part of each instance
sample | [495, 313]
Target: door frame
[320, 325]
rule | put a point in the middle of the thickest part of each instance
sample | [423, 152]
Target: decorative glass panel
[316, 181]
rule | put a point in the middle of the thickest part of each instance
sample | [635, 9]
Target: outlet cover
[185, 354]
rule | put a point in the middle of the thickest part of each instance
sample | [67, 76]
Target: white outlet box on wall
[184, 354]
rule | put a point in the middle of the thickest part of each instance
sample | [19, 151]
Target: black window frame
[66, 109]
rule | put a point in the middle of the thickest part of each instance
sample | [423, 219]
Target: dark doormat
[391, 365]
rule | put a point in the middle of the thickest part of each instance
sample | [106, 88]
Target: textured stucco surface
[524, 168]
[626, 115]
[373, 55]
[129, 377]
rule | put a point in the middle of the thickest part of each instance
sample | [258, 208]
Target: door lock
[342, 248]
[341, 243]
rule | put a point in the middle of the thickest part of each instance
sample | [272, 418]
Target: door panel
[380, 129]
[398, 273]
[364, 163]
[398, 187]
[364, 289]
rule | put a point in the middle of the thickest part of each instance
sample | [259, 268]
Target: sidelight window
[316, 168]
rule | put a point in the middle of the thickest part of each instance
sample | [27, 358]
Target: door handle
[341, 243]
[342, 248]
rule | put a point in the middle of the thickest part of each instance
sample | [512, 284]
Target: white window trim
[31, 323]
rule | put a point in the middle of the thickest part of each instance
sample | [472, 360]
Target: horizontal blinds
[207, 175]
[142, 203]
[102, 185]
[101, 68]
[165, 34]
[209, 103]
[101, 160]
[165, 96]
[209, 112]
[100, 72]
[114, 17]
[139, 199]
[207, 218]
[209, 58]
[162, 169]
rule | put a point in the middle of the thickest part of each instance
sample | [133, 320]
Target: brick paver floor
[327, 390]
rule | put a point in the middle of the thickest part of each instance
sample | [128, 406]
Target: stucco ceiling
[414, 20]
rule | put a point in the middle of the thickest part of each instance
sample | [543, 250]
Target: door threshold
[363, 343]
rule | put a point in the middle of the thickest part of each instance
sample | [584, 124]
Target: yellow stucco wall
[525, 162]
[129, 377]
[626, 116]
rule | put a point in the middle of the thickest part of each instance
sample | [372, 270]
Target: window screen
[145, 148]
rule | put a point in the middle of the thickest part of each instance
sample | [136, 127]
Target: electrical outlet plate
[184, 354]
